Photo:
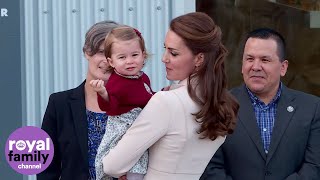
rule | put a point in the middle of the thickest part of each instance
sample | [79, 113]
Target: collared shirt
[265, 115]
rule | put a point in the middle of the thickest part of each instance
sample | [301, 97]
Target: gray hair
[96, 35]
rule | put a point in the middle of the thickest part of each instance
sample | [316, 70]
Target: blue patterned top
[265, 114]
[96, 129]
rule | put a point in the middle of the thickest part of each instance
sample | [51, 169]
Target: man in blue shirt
[277, 135]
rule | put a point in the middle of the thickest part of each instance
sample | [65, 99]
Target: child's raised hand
[98, 86]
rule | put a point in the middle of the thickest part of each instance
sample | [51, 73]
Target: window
[297, 20]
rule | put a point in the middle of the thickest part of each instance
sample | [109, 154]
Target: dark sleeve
[216, 168]
[310, 168]
[49, 124]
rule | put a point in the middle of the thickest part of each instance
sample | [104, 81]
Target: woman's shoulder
[178, 90]
[77, 92]
[171, 95]
[178, 97]
[61, 94]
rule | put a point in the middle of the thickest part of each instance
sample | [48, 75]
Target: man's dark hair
[267, 33]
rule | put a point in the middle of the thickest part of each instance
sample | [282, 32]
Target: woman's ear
[199, 59]
[86, 56]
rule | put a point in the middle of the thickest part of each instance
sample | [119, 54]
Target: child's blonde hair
[123, 33]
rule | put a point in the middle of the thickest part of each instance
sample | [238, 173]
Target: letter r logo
[4, 12]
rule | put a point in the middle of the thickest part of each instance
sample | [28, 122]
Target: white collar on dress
[183, 82]
[130, 76]
[179, 84]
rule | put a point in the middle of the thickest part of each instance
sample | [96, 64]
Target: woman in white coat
[182, 127]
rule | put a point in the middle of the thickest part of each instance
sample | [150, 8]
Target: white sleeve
[148, 128]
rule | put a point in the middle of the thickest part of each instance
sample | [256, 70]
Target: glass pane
[297, 20]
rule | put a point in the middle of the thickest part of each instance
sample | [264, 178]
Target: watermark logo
[29, 150]
[3, 12]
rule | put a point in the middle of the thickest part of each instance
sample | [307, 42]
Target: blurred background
[297, 20]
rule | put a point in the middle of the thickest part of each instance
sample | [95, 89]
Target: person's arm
[98, 87]
[310, 169]
[215, 169]
[152, 123]
[107, 101]
[49, 124]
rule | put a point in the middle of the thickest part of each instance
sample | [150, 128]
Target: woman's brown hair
[207, 86]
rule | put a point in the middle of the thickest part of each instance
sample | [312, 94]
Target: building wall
[53, 35]
[10, 80]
